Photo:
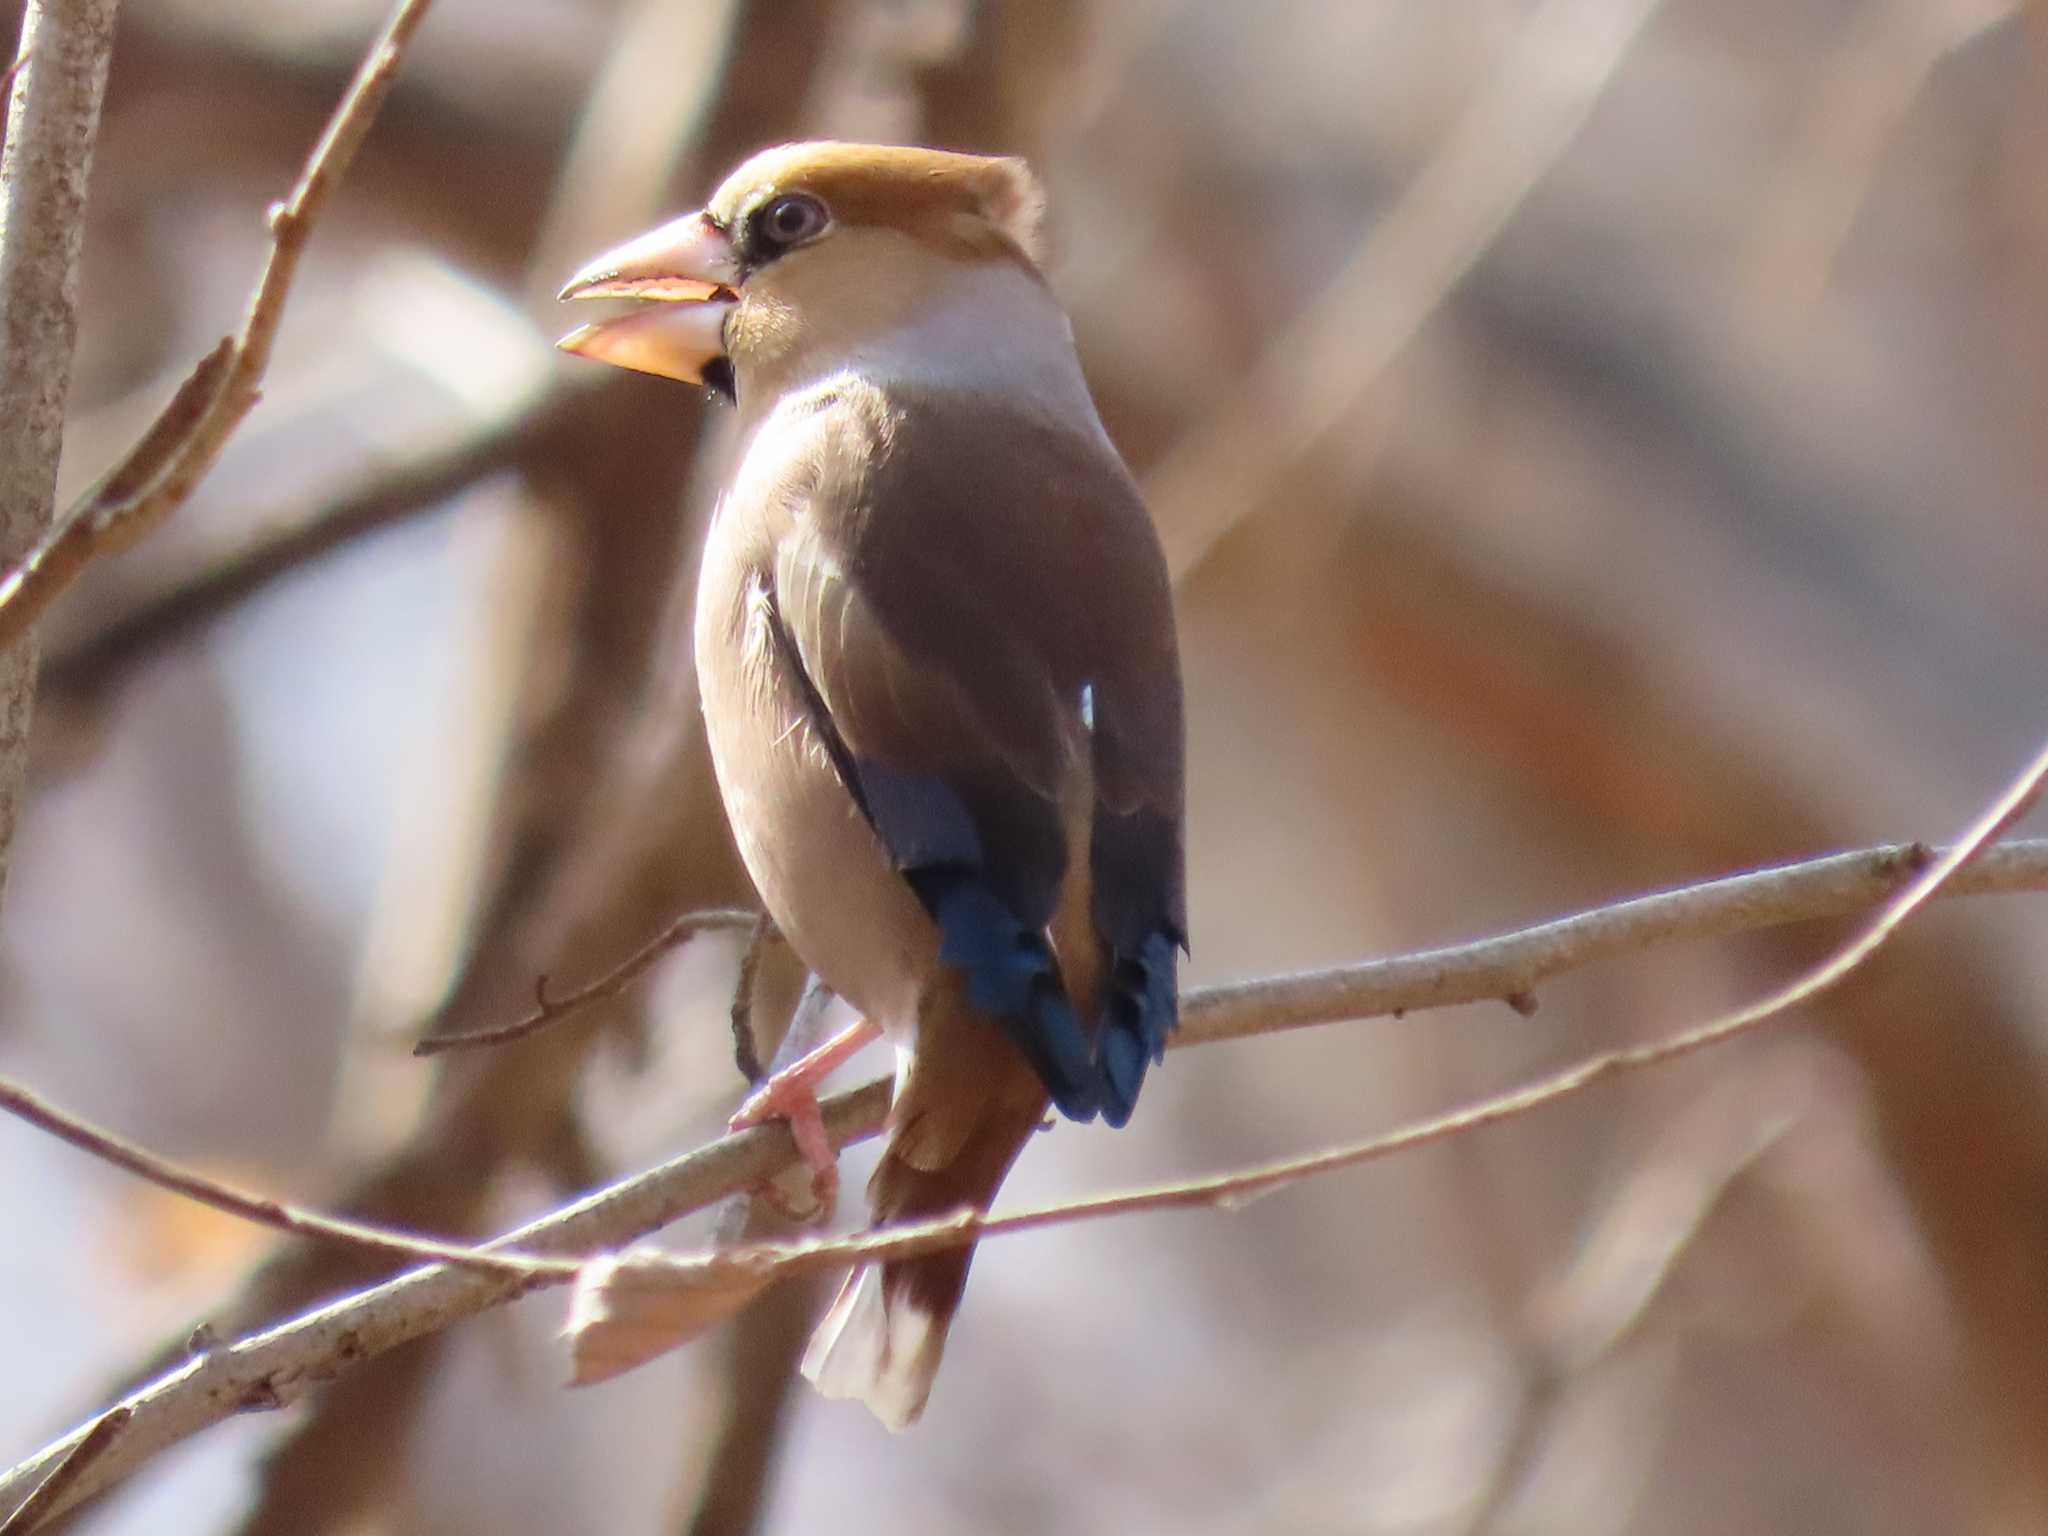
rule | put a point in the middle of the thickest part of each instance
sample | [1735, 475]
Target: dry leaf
[627, 1308]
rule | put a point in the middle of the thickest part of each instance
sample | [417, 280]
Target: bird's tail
[882, 1337]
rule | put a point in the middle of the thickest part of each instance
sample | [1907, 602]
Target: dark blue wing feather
[1012, 977]
[1141, 1008]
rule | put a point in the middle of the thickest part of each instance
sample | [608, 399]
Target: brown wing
[960, 609]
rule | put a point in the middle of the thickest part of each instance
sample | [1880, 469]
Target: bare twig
[72, 544]
[746, 1054]
[193, 429]
[106, 1146]
[43, 1502]
[1512, 964]
[54, 89]
[549, 1010]
[273, 1367]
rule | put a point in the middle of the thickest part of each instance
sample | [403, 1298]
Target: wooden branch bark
[60, 75]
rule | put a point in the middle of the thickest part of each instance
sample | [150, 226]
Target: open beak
[685, 275]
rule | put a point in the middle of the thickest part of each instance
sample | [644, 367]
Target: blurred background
[1601, 442]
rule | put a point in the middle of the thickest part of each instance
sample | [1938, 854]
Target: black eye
[789, 220]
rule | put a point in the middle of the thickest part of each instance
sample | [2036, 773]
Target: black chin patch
[718, 378]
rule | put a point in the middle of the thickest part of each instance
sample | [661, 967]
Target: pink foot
[792, 1095]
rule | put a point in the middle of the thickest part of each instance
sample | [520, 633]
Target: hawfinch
[940, 681]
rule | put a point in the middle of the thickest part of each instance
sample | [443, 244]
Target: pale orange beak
[687, 274]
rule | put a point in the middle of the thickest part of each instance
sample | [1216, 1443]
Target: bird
[939, 673]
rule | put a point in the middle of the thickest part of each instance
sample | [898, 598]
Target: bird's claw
[794, 1099]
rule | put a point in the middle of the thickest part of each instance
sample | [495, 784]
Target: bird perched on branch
[936, 648]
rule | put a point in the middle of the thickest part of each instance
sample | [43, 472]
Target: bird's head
[805, 248]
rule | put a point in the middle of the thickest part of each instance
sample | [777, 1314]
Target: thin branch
[273, 1368]
[550, 1010]
[1511, 966]
[109, 1148]
[71, 544]
[193, 429]
[43, 1502]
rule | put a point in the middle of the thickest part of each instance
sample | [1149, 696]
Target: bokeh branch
[90, 666]
[1314, 373]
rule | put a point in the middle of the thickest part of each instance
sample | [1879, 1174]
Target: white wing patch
[757, 636]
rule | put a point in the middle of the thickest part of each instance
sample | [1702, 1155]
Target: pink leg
[792, 1094]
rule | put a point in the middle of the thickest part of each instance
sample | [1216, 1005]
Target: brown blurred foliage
[1699, 523]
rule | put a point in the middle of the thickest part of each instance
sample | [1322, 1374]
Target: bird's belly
[817, 864]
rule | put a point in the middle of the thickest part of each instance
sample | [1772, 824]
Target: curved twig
[550, 1010]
